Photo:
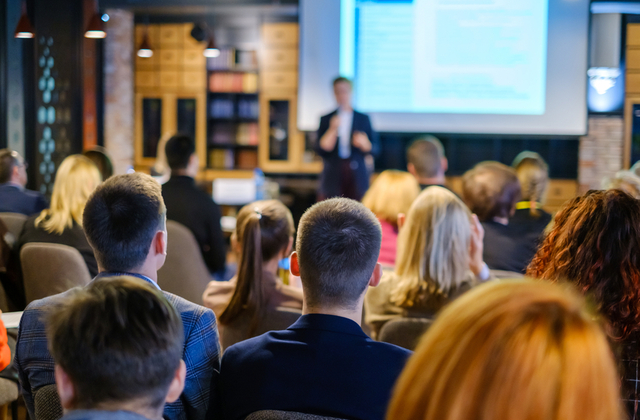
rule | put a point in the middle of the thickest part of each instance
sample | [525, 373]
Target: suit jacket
[322, 364]
[330, 179]
[195, 209]
[14, 199]
[201, 354]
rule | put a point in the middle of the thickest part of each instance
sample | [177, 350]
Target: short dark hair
[426, 155]
[342, 79]
[121, 218]
[338, 245]
[118, 340]
[179, 149]
[491, 189]
[8, 160]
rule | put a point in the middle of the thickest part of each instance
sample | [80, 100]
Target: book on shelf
[225, 61]
[247, 159]
[221, 159]
[233, 82]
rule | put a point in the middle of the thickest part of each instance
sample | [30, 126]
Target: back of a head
[100, 157]
[119, 341]
[491, 189]
[594, 244]
[338, 245]
[391, 193]
[433, 247]
[626, 181]
[8, 159]
[426, 155]
[76, 178]
[121, 218]
[179, 149]
[533, 174]
[510, 350]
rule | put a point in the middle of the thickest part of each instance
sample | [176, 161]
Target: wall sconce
[24, 28]
[603, 78]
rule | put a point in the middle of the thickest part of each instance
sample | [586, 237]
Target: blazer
[195, 209]
[330, 178]
[14, 199]
[322, 364]
[201, 354]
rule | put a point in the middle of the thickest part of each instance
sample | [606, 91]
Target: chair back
[14, 222]
[47, 403]
[404, 332]
[276, 319]
[49, 269]
[184, 272]
[285, 415]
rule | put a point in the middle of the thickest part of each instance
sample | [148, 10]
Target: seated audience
[125, 223]
[100, 157]
[594, 245]
[426, 162]
[323, 364]
[392, 193]
[263, 237]
[491, 190]
[5, 351]
[439, 258]
[14, 198]
[512, 350]
[190, 206]
[117, 346]
[626, 181]
[76, 179]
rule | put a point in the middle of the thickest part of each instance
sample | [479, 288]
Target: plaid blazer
[201, 354]
[628, 354]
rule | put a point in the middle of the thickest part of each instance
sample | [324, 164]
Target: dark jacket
[330, 179]
[195, 209]
[14, 199]
[322, 364]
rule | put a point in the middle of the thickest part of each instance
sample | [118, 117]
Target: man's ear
[411, 168]
[294, 267]
[376, 276]
[444, 164]
[401, 219]
[177, 383]
[160, 242]
[65, 388]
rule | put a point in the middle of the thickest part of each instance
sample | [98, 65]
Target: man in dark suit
[190, 206]
[345, 139]
[125, 223]
[14, 198]
[323, 364]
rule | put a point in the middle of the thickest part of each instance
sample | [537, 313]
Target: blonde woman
[76, 179]
[626, 181]
[439, 258]
[392, 193]
[510, 350]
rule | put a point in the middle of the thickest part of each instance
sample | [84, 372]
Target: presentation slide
[449, 66]
[461, 56]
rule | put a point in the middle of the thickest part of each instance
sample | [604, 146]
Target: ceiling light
[24, 28]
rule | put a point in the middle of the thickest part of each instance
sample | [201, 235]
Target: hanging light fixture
[211, 51]
[95, 29]
[24, 28]
[144, 50]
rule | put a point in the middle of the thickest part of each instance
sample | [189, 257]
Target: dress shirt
[344, 133]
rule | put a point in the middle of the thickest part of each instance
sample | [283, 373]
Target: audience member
[190, 206]
[491, 190]
[5, 351]
[323, 364]
[512, 350]
[594, 245]
[14, 198]
[76, 179]
[263, 236]
[391, 194]
[117, 346]
[160, 170]
[426, 162]
[124, 221]
[626, 181]
[100, 157]
[439, 258]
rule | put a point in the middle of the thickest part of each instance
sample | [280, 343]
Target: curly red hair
[595, 244]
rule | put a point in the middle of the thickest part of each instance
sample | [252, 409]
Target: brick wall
[600, 152]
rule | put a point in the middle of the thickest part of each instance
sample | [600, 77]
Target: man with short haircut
[14, 198]
[124, 220]
[323, 364]
[190, 206]
[117, 346]
[426, 162]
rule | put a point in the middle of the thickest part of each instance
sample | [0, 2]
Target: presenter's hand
[334, 123]
[361, 141]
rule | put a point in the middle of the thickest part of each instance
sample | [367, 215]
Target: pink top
[389, 244]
